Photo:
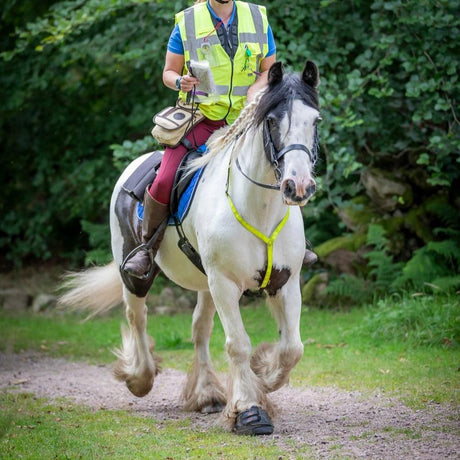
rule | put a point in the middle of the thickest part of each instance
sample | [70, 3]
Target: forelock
[283, 94]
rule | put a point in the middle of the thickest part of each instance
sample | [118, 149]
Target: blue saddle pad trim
[184, 202]
[186, 199]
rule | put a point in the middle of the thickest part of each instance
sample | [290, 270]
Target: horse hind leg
[203, 391]
[273, 362]
[136, 365]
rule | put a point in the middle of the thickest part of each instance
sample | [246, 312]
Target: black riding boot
[154, 214]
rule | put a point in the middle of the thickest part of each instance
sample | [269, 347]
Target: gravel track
[333, 423]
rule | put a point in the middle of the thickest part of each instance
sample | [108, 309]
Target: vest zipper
[230, 92]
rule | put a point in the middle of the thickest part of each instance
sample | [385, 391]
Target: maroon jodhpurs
[163, 183]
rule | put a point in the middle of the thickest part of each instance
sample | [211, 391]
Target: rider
[237, 42]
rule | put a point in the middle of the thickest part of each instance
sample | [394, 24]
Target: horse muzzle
[297, 193]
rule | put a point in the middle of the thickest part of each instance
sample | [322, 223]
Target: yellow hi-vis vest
[232, 77]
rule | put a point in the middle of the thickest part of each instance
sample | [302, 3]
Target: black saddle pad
[143, 176]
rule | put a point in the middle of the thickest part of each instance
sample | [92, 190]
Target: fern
[351, 288]
[424, 267]
[448, 249]
[446, 283]
[383, 270]
[446, 213]
[376, 236]
[437, 264]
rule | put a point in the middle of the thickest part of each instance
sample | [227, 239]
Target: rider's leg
[156, 199]
[154, 214]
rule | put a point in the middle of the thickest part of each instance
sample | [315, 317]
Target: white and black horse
[246, 224]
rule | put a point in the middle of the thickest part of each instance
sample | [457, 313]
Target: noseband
[274, 156]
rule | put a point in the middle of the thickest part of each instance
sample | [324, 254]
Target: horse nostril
[311, 190]
[289, 187]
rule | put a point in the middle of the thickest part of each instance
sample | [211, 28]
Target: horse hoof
[254, 421]
[213, 408]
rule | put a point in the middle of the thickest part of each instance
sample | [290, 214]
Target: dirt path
[334, 423]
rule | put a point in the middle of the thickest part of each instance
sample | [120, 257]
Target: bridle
[276, 156]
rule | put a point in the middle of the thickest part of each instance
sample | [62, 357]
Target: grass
[68, 431]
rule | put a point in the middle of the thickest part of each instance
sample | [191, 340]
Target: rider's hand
[188, 82]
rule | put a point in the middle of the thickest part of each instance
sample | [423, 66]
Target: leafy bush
[73, 81]
[79, 77]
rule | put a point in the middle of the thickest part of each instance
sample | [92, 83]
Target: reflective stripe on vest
[232, 79]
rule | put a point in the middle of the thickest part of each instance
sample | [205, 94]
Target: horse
[245, 222]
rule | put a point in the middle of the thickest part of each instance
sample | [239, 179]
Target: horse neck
[262, 207]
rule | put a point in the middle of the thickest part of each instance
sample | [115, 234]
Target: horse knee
[239, 351]
[273, 365]
[290, 357]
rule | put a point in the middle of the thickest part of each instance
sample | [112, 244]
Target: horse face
[296, 134]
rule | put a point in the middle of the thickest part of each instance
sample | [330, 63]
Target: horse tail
[96, 290]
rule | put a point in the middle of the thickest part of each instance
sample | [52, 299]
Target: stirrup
[146, 247]
[146, 275]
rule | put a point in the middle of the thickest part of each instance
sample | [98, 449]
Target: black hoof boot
[254, 421]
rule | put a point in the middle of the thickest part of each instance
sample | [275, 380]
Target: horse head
[289, 112]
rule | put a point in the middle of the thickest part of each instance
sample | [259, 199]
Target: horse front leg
[136, 365]
[273, 362]
[203, 391]
[248, 410]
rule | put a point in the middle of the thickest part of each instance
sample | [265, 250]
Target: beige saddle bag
[173, 123]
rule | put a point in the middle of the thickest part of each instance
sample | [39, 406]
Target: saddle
[184, 185]
[182, 194]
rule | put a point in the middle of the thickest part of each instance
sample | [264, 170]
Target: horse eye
[318, 120]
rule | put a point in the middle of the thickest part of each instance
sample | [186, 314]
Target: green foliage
[128, 151]
[433, 267]
[80, 81]
[348, 289]
[388, 91]
[74, 81]
[99, 239]
[437, 264]
[382, 271]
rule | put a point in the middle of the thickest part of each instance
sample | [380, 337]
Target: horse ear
[275, 74]
[310, 74]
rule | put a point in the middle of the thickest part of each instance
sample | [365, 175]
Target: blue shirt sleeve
[271, 42]
[175, 42]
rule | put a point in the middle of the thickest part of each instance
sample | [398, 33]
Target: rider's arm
[174, 64]
[263, 77]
